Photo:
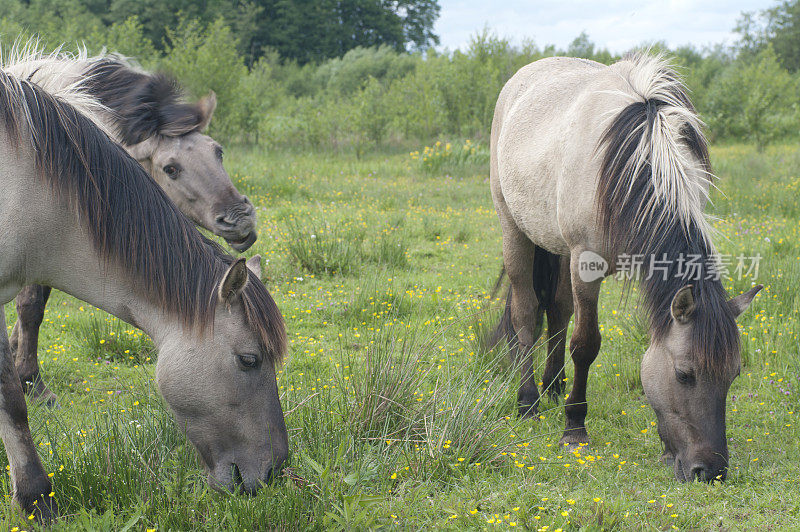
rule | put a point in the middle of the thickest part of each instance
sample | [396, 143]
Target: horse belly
[532, 202]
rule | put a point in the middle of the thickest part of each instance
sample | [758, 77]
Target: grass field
[382, 267]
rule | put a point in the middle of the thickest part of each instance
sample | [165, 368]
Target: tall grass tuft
[442, 157]
[325, 249]
[390, 250]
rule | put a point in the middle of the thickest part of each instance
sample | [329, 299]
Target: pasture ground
[383, 267]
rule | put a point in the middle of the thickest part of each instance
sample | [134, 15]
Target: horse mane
[145, 104]
[128, 217]
[140, 104]
[56, 73]
[654, 176]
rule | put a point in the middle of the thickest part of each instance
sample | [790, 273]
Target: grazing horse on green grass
[594, 167]
[146, 114]
[66, 220]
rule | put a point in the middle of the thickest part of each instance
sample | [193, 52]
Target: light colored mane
[653, 186]
[58, 73]
[663, 143]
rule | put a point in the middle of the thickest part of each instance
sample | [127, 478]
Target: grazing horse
[592, 165]
[79, 214]
[144, 113]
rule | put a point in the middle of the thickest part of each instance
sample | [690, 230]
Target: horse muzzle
[244, 478]
[237, 225]
[244, 244]
[704, 466]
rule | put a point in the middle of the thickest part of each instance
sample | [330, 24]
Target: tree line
[357, 73]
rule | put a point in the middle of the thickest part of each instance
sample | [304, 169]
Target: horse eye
[171, 170]
[248, 361]
[684, 377]
[219, 154]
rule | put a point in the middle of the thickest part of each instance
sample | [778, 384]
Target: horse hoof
[574, 439]
[667, 458]
[41, 393]
[42, 507]
[528, 411]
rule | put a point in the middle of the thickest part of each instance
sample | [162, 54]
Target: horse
[591, 166]
[69, 195]
[146, 114]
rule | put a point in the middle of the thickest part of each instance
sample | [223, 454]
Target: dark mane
[145, 104]
[632, 213]
[129, 218]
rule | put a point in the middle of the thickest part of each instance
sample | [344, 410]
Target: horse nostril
[236, 476]
[249, 209]
[703, 473]
[223, 222]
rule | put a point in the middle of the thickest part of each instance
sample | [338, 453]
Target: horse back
[547, 125]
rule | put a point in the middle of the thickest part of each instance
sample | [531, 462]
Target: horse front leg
[31, 302]
[558, 316]
[30, 484]
[584, 346]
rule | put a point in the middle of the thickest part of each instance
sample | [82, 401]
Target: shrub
[203, 59]
[126, 38]
[755, 100]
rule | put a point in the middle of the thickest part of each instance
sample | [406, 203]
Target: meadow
[398, 415]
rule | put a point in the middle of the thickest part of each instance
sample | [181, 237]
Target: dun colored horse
[593, 166]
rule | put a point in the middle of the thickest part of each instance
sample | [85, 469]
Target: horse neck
[48, 245]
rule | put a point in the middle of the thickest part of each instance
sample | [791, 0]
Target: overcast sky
[615, 24]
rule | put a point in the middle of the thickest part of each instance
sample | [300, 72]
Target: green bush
[374, 96]
[127, 38]
[755, 100]
[204, 59]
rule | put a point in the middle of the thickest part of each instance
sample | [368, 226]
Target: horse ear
[254, 265]
[206, 106]
[233, 282]
[740, 303]
[683, 305]
[144, 150]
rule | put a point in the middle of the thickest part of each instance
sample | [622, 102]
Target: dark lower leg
[585, 345]
[524, 315]
[553, 379]
[31, 485]
[528, 394]
[558, 316]
[31, 303]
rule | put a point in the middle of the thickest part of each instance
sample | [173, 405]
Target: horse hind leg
[31, 302]
[559, 313]
[531, 272]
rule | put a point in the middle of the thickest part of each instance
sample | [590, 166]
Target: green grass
[396, 416]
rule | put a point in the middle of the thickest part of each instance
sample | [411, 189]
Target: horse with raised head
[591, 164]
[146, 114]
[79, 214]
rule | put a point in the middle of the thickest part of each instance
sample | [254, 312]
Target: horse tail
[545, 281]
